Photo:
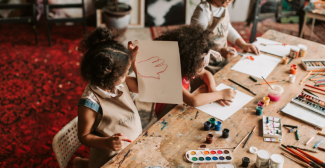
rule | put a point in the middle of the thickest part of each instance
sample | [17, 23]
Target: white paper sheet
[262, 65]
[159, 72]
[278, 50]
[222, 113]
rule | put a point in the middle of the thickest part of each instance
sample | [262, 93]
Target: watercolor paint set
[209, 156]
[313, 64]
[272, 128]
[310, 102]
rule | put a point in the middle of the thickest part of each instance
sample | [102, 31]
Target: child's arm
[132, 84]
[247, 46]
[132, 81]
[208, 80]
[86, 120]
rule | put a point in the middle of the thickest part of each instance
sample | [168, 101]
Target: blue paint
[218, 125]
[214, 158]
[222, 158]
[208, 158]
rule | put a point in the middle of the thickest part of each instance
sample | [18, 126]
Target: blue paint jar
[207, 126]
[259, 110]
[218, 125]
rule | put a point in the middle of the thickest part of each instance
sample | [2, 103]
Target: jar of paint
[292, 78]
[259, 110]
[262, 158]
[246, 161]
[285, 60]
[209, 138]
[212, 121]
[303, 50]
[294, 52]
[293, 69]
[276, 161]
[218, 125]
[266, 100]
[261, 103]
[276, 93]
[225, 133]
[207, 126]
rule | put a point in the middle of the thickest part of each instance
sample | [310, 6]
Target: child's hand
[133, 51]
[251, 48]
[115, 142]
[228, 94]
[224, 102]
[228, 53]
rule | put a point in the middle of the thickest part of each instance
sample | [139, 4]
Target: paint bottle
[303, 50]
[293, 69]
[225, 133]
[294, 52]
[276, 161]
[272, 140]
[262, 158]
[285, 60]
[261, 103]
[274, 119]
[266, 100]
[212, 121]
[272, 124]
[209, 138]
[218, 125]
[292, 78]
[207, 126]
[271, 132]
[259, 110]
[276, 93]
[246, 161]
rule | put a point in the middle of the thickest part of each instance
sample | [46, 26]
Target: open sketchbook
[278, 50]
[222, 113]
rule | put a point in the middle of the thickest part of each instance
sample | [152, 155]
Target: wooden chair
[313, 16]
[66, 142]
[49, 20]
[26, 19]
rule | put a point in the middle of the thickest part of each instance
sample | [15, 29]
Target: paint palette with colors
[209, 156]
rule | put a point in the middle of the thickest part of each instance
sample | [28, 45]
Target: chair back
[66, 142]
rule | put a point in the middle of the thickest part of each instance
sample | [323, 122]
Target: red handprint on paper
[156, 65]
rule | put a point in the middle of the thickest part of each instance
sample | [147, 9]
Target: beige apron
[220, 28]
[119, 116]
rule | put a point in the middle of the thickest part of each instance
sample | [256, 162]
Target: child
[213, 15]
[194, 45]
[107, 115]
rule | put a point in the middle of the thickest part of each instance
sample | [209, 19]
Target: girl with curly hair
[194, 45]
[213, 15]
[107, 115]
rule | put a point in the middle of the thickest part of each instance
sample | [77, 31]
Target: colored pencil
[319, 70]
[242, 86]
[267, 83]
[240, 142]
[320, 133]
[321, 141]
[309, 92]
[270, 82]
[312, 157]
[315, 91]
[302, 157]
[127, 140]
[249, 136]
[296, 160]
[309, 150]
[313, 79]
[303, 80]
[315, 87]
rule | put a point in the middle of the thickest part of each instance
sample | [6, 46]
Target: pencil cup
[266, 100]
[218, 125]
[259, 110]
[212, 121]
[276, 93]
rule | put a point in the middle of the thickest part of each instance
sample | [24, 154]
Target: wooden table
[166, 142]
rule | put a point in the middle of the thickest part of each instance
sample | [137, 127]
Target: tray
[209, 156]
[267, 133]
[310, 67]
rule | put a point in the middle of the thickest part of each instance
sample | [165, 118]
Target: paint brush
[241, 142]
[272, 44]
[316, 91]
[312, 157]
[296, 160]
[302, 157]
[243, 87]
[249, 136]
[296, 147]
[267, 83]
[310, 92]
[270, 82]
[303, 80]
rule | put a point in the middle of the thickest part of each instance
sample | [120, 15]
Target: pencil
[313, 79]
[267, 83]
[270, 82]
[240, 142]
[303, 80]
[302, 157]
[296, 160]
[309, 92]
[242, 86]
[315, 87]
[312, 157]
[316, 91]
[249, 136]
[320, 133]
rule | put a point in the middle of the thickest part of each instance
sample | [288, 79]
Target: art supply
[302, 51]
[266, 101]
[207, 126]
[222, 113]
[209, 138]
[272, 128]
[242, 86]
[212, 121]
[272, 140]
[225, 133]
[303, 80]
[272, 47]
[246, 161]
[270, 82]
[305, 149]
[241, 142]
[218, 125]
[316, 79]
[310, 102]
[309, 140]
[237, 52]
[262, 158]
[301, 156]
[322, 93]
[127, 140]
[275, 119]
[275, 95]
[314, 65]
[209, 156]
[252, 78]
[253, 150]
[292, 78]
[321, 141]
[297, 134]
[294, 52]
[285, 60]
[293, 129]
[276, 161]
[296, 160]
[267, 83]
[312, 157]
[290, 61]
[291, 126]
[322, 149]
[259, 110]
[309, 92]
[293, 69]
[320, 133]
[249, 136]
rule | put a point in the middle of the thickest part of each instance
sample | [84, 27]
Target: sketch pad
[278, 50]
[262, 65]
[216, 110]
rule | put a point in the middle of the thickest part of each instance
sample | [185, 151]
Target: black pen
[242, 86]
[249, 136]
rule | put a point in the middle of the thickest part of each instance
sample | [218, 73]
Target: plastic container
[212, 121]
[218, 125]
[209, 156]
[262, 158]
[292, 78]
[259, 110]
[266, 100]
[246, 161]
[303, 50]
[276, 93]
[207, 126]
[294, 52]
[225, 133]
[276, 161]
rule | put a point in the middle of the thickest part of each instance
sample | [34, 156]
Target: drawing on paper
[155, 61]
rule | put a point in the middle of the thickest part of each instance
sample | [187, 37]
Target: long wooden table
[166, 142]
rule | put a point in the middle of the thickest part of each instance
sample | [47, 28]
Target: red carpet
[39, 91]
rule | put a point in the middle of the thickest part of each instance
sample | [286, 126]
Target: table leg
[312, 28]
[304, 25]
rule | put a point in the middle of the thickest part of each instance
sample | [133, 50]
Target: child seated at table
[107, 115]
[194, 47]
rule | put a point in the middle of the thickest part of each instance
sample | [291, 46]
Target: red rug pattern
[39, 91]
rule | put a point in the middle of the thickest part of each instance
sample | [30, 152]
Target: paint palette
[272, 127]
[313, 64]
[310, 102]
[209, 156]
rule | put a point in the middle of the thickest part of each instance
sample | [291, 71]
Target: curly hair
[193, 41]
[105, 60]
